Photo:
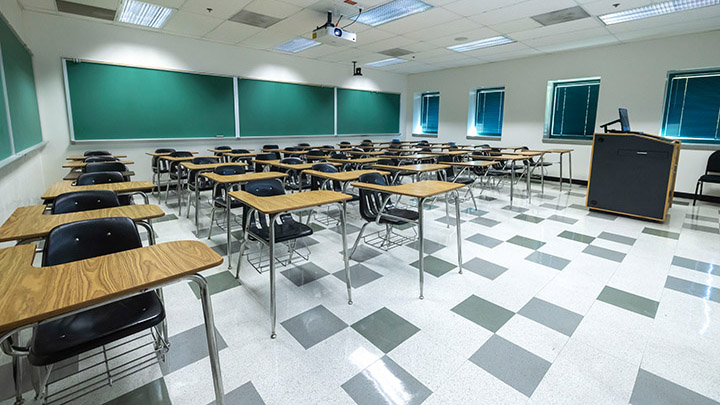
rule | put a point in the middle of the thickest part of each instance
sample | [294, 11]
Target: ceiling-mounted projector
[331, 34]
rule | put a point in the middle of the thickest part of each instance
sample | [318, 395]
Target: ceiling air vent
[85, 10]
[561, 16]
[254, 19]
[396, 52]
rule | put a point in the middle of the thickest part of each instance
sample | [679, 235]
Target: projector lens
[338, 32]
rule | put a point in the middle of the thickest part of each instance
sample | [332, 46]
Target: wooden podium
[632, 174]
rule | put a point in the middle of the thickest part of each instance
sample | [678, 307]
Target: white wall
[632, 75]
[51, 37]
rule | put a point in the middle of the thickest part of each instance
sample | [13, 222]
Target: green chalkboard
[22, 98]
[367, 112]
[123, 102]
[5, 144]
[282, 109]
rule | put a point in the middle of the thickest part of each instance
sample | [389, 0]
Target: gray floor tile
[602, 215]
[613, 237]
[688, 287]
[604, 253]
[691, 264]
[511, 364]
[154, 392]
[349, 227]
[449, 220]
[485, 221]
[359, 275]
[313, 326]
[305, 273]
[703, 228]
[166, 218]
[529, 218]
[434, 265]
[245, 394]
[429, 246]
[188, 347]
[578, 237]
[385, 382]
[526, 242]
[680, 202]
[556, 207]
[486, 198]
[551, 315]
[484, 268]
[60, 371]
[661, 233]
[653, 390]
[473, 211]
[385, 329]
[631, 302]
[548, 260]
[221, 248]
[484, 240]
[515, 209]
[564, 220]
[583, 195]
[696, 217]
[316, 227]
[363, 253]
[217, 282]
[578, 206]
[484, 313]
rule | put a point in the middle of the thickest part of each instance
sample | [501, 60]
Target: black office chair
[367, 146]
[220, 192]
[712, 166]
[344, 143]
[96, 153]
[173, 172]
[102, 158]
[450, 175]
[84, 201]
[276, 155]
[247, 160]
[372, 210]
[338, 155]
[223, 147]
[259, 167]
[63, 338]
[328, 146]
[160, 167]
[315, 152]
[105, 167]
[87, 179]
[290, 149]
[304, 144]
[395, 176]
[294, 181]
[196, 182]
[533, 163]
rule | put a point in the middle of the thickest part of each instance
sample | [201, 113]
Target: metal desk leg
[421, 238]
[178, 190]
[528, 173]
[542, 174]
[512, 181]
[17, 372]
[229, 236]
[271, 256]
[459, 232]
[345, 255]
[197, 204]
[211, 339]
[570, 167]
[561, 172]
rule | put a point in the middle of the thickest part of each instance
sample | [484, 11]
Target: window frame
[550, 108]
[424, 111]
[665, 112]
[473, 112]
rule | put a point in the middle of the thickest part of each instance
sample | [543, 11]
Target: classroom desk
[178, 169]
[126, 187]
[414, 169]
[413, 157]
[78, 157]
[285, 166]
[354, 162]
[311, 158]
[194, 167]
[73, 175]
[513, 159]
[562, 152]
[228, 180]
[77, 164]
[342, 177]
[450, 153]
[35, 294]
[423, 190]
[30, 222]
[280, 204]
[368, 153]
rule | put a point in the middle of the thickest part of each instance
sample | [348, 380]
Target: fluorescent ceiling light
[483, 43]
[653, 10]
[297, 45]
[145, 14]
[391, 11]
[386, 62]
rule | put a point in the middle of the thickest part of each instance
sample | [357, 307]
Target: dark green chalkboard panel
[22, 98]
[122, 102]
[283, 109]
[367, 112]
[5, 145]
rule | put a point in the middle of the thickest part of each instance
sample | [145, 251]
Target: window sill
[484, 137]
[425, 135]
[568, 141]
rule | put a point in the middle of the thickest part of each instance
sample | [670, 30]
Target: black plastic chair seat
[69, 336]
[462, 180]
[220, 202]
[289, 229]
[710, 178]
[543, 164]
[398, 212]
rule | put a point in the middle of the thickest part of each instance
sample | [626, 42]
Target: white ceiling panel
[371, 36]
[521, 24]
[40, 5]
[232, 32]
[520, 10]
[415, 22]
[108, 4]
[469, 36]
[472, 7]
[169, 3]
[555, 29]
[304, 21]
[497, 50]
[183, 22]
[273, 8]
[396, 41]
[450, 28]
[223, 9]
[587, 43]
[267, 40]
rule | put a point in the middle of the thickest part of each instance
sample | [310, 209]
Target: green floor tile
[218, 282]
[435, 266]
[484, 313]
[631, 302]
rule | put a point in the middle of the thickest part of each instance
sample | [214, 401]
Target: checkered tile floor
[556, 305]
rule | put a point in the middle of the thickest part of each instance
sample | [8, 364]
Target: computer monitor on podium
[624, 120]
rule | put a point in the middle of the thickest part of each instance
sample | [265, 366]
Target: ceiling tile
[397, 41]
[599, 7]
[42, 5]
[586, 43]
[222, 9]
[521, 24]
[299, 23]
[232, 32]
[186, 23]
[472, 7]
[525, 9]
[497, 50]
[445, 29]
[371, 36]
[108, 4]
[587, 34]
[469, 36]
[555, 29]
[419, 21]
[176, 4]
[273, 8]
[267, 40]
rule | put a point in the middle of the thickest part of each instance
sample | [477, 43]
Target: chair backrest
[96, 153]
[84, 201]
[303, 144]
[223, 147]
[325, 168]
[87, 179]
[291, 161]
[164, 150]
[356, 149]
[104, 158]
[387, 162]
[239, 151]
[204, 160]
[449, 173]
[328, 146]
[344, 143]
[263, 188]
[271, 146]
[181, 153]
[228, 170]
[713, 163]
[263, 156]
[371, 201]
[89, 238]
[338, 155]
[156, 159]
[367, 141]
[105, 167]
[426, 149]
[315, 152]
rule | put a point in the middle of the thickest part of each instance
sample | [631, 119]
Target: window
[489, 104]
[572, 108]
[429, 112]
[692, 106]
